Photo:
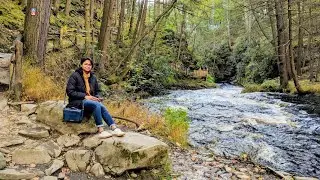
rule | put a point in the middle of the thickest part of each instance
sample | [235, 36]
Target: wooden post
[17, 84]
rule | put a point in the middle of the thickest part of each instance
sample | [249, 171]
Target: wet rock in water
[51, 113]
[56, 165]
[53, 148]
[30, 156]
[68, 140]
[133, 151]
[92, 142]
[77, 160]
[9, 174]
[2, 161]
[37, 132]
[10, 141]
[97, 170]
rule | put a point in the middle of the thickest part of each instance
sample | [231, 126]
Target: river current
[276, 130]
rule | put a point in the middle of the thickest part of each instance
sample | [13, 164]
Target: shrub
[177, 124]
[38, 86]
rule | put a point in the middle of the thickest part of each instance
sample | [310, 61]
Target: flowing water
[277, 130]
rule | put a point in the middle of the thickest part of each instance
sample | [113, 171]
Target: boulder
[77, 160]
[30, 108]
[133, 151]
[51, 113]
[2, 161]
[68, 140]
[51, 147]
[92, 142]
[30, 156]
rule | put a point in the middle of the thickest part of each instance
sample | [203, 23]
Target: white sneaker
[118, 132]
[104, 134]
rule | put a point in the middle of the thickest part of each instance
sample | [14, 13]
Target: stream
[273, 129]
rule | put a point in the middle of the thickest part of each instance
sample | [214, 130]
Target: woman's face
[86, 66]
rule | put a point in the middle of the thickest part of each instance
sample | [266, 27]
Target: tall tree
[292, 65]
[282, 64]
[300, 38]
[104, 39]
[87, 26]
[67, 7]
[133, 7]
[36, 28]
[121, 21]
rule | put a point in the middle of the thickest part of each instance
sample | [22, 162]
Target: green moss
[11, 15]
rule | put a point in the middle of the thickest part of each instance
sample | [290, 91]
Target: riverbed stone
[77, 160]
[51, 147]
[30, 156]
[30, 108]
[56, 165]
[36, 132]
[2, 161]
[97, 170]
[10, 141]
[10, 174]
[49, 178]
[133, 151]
[51, 113]
[68, 140]
[92, 142]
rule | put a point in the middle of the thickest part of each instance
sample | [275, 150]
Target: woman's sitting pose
[83, 91]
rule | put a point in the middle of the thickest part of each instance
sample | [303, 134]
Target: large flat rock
[133, 151]
[51, 113]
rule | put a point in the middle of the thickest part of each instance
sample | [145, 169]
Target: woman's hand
[92, 98]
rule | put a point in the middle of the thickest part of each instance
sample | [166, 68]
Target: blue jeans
[99, 112]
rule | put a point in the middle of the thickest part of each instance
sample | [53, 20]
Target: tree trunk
[273, 28]
[56, 5]
[310, 40]
[107, 20]
[133, 7]
[87, 26]
[17, 84]
[121, 21]
[36, 28]
[281, 45]
[136, 30]
[228, 24]
[143, 18]
[183, 24]
[300, 39]
[67, 7]
[293, 70]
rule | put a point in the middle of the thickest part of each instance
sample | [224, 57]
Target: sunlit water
[269, 130]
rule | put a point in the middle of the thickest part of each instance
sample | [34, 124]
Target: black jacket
[76, 89]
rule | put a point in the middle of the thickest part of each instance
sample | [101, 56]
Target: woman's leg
[106, 116]
[95, 108]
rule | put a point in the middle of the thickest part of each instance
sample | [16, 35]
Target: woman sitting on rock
[83, 91]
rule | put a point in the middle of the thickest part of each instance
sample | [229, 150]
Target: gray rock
[56, 164]
[68, 140]
[30, 108]
[53, 148]
[10, 141]
[134, 175]
[23, 120]
[37, 132]
[132, 151]
[97, 170]
[30, 156]
[77, 160]
[92, 142]
[15, 174]
[2, 161]
[49, 178]
[51, 113]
